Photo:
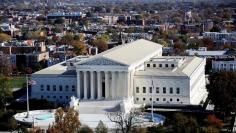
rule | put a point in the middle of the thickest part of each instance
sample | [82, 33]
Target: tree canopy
[65, 122]
[5, 90]
[222, 91]
[5, 37]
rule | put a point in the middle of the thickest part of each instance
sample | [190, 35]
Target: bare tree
[125, 122]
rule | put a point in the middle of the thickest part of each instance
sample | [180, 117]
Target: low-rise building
[228, 64]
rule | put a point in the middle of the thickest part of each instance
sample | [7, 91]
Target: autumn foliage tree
[101, 44]
[79, 47]
[214, 121]
[207, 42]
[5, 37]
[65, 122]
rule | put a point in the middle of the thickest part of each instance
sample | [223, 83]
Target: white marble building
[224, 65]
[125, 72]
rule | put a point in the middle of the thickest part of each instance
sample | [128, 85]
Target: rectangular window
[48, 87]
[172, 65]
[137, 89]
[148, 65]
[171, 90]
[42, 89]
[67, 87]
[60, 87]
[166, 65]
[157, 99]
[154, 65]
[150, 89]
[157, 90]
[54, 87]
[177, 90]
[73, 87]
[164, 99]
[144, 89]
[160, 65]
[164, 90]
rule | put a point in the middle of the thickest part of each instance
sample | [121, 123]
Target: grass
[18, 81]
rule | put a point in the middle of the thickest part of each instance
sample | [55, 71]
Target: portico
[98, 85]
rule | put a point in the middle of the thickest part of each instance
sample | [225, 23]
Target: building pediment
[101, 61]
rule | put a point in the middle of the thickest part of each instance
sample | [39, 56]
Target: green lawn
[18, 81]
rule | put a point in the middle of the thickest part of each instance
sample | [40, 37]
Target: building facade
[125, 72]
[228, 64]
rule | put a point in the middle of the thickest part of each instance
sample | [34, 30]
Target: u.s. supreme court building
[136, 70]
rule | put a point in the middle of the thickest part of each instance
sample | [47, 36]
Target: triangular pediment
[101, 61]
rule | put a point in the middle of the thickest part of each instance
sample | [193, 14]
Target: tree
[79, 37]
[85, 129]
[125, 122]
[65, 122]
[59, 21]
[5, 65]
[101, 44]
[5, 90]
[160, 41]
[207, 42]
[212, 120]
[101, 128]
[5, 37]
[79, 47]
[184, 124]
[215, 28]
[222, 91]
[67, 39]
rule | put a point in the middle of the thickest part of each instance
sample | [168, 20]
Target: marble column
[99, 91]
[78, 84]
[85, 86]
[106, 85]
[113, 86]
[91, 85]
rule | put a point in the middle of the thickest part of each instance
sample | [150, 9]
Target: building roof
[130, 53]
[206, 53]
[124, 55]
[59, 68]
[186, 69]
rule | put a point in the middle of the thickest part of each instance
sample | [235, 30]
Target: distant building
[228, 64]
[73, 16]
[9, 29]
[206, 54]
[25, 55]
[222, 38]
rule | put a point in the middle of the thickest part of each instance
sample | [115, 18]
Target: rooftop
[186, 69]
[131, 52]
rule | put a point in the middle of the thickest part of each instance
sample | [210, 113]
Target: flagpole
[27, 95]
